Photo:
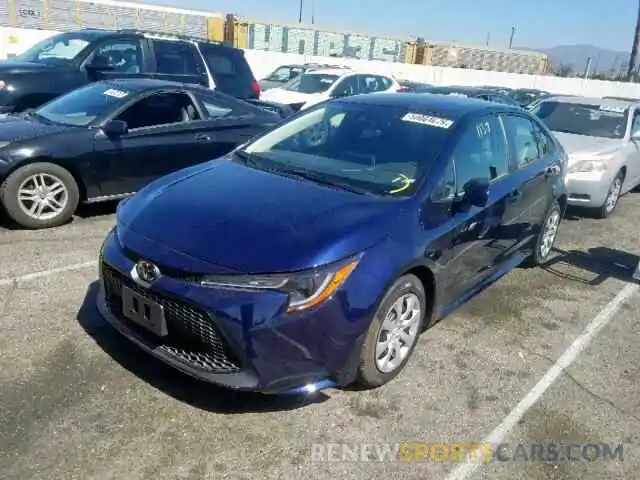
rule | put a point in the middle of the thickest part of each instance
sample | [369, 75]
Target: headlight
[588, 166]
[3, 85]
[305, 289]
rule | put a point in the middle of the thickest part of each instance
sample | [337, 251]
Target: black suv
[69, 60]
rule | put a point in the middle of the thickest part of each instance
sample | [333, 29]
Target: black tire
[541, 255]
[605, 210]
[369, 375]
[11, 204]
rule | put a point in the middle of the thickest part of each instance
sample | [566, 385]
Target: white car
[602, 140]
[313, 87]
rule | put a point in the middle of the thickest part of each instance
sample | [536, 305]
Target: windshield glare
[311, 83]
[64, 47]
[380, 150]
[582, 119]
[81, 107]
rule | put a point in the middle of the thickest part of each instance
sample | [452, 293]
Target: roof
[462, 89]
[329, 71]
[143, 84]
[606, 102]
[450, 107]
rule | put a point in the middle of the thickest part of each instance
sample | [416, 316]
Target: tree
[564, 71]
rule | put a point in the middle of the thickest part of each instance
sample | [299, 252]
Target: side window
[160, 109]
[445, 190]
[635, 126]
[385, 83]
[370, 84]
[177, 58]
[545, 144]
[214, 107]
[524, 138]
[481, 153]
[346, 86]
[124, 56]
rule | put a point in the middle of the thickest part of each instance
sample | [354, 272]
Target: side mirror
[476, 192]
[635, 136]
[115, 128]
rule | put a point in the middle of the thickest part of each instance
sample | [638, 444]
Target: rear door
[535, 168]
[230, 70]
[178, 62]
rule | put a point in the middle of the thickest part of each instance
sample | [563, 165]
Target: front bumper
[237, 340]
[587, 189]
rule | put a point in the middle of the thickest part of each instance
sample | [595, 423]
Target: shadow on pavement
[594, 266]
[174, 383]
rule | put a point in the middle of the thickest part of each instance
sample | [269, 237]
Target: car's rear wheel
[40, 195]
[546, 237]
[393, 333]
[613, 195]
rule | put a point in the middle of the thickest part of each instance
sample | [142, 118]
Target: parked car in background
[108, 139]
[316, 86]
[602, 139]
[413, 87]
[360, 223]
[525, 96]
[472, 92]
[624, 99]
[501, 90]
[282, 110]
[286, 73]
[73, 59]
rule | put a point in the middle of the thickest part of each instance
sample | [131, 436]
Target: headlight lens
[588, 166]
[305, 289]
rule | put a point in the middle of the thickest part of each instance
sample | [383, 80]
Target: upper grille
[192, 336]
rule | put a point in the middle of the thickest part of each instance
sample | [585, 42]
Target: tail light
[255, 88]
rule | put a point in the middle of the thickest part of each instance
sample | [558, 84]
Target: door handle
[553, 170]
[202, 137]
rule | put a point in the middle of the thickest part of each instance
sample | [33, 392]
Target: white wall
[263, 63]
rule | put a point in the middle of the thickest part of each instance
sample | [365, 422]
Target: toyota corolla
[315, 254]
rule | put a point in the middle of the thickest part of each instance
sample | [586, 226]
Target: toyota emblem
[147, 271]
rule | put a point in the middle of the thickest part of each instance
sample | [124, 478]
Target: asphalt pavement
[77, 401]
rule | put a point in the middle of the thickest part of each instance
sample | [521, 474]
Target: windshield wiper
[247, 158]
[321, 179]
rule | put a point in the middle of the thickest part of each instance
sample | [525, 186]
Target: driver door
[633, 152]
[165, 134]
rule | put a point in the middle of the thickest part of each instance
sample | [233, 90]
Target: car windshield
[591, 120]
[284, 74]
[311, 83]
[59, 48]
[367, 149]
[82, 106]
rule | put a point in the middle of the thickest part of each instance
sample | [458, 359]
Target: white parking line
[46, 273]
[465, 470]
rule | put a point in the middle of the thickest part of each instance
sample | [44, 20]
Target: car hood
[14, 128]
[288, 97]
[233, 217]
[18, 67]
[578, 146]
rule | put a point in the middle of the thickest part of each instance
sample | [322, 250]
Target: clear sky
[539, 23]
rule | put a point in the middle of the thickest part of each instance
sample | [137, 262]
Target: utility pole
[488, 38]
[313, 13]
[300, 13]
[513, 33]
[634, 47]
[587, 69]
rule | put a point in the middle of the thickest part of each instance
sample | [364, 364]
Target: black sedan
[472, 92]
[107, 140]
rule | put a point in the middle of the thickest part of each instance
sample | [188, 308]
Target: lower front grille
[192, 336]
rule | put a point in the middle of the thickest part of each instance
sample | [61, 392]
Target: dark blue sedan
[314, 255]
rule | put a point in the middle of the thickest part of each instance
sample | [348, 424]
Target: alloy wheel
[398, 333]
[42, 196]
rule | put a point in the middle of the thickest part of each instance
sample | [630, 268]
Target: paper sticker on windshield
[608, 108]
[112, 92]
[428, 120]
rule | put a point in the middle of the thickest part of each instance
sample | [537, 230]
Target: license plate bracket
[144, 312]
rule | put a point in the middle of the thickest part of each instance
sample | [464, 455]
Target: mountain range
[576, 57]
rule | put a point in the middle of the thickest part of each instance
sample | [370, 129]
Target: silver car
[602, 140]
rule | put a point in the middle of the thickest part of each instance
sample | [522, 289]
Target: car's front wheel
[613, 195]
[40, 195]
[393, 333]
[546, 238]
